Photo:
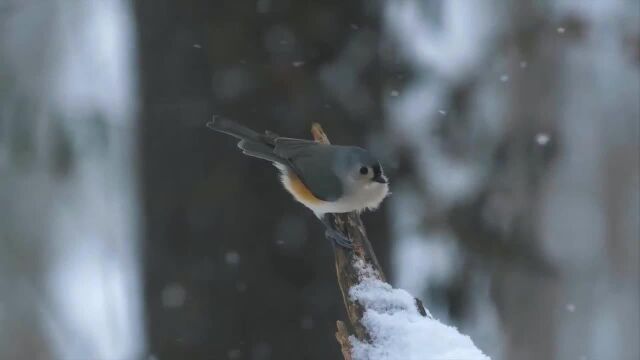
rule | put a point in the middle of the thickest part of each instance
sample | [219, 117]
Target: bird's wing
[313, 164]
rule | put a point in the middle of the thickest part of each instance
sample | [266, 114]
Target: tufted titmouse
[325, 178]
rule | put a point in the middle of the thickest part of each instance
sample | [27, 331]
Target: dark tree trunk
[235, 268]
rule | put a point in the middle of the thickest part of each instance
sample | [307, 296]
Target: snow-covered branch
[387, 323]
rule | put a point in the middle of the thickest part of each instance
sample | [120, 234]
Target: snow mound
[399, 332]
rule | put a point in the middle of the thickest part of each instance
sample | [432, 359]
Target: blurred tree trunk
[557, 106]
[544, 126]
[522, 161]
[69, 280]
[235, 268]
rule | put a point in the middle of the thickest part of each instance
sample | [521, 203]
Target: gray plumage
[313, 163]
[325, 178]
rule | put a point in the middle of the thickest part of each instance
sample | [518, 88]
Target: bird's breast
[299, 190]
[359, 199]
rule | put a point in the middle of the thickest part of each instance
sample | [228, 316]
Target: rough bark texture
[348, 274]
[342, 335]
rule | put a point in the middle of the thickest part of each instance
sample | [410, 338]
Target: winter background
[509, 129]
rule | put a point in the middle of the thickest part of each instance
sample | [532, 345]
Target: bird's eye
[364, 170]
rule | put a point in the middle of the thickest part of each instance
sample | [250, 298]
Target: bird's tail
[251, 142]
[234, 129]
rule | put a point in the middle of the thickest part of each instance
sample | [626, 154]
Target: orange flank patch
[300, 191]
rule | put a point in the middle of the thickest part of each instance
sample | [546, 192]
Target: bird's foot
[333, 234]
[338, 238]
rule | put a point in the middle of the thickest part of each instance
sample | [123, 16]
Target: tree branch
[349, 265]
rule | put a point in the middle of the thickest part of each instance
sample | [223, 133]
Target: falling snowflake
[173, 295]
[542, 139]
[232, 258]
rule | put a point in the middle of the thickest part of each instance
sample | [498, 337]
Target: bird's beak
[379, 178]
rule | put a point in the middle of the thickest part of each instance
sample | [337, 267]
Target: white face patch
[362, 194]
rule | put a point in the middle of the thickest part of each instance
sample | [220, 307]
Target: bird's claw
[339, 239]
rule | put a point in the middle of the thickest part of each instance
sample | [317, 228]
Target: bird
[326, 178]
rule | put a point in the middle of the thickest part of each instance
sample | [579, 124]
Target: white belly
[368, 196]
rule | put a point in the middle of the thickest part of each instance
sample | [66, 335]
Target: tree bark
[348, 267]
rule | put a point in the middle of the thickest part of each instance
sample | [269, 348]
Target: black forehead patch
[376, 169]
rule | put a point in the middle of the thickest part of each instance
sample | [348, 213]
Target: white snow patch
[398, 331]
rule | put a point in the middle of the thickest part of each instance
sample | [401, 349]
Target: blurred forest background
[509, 129]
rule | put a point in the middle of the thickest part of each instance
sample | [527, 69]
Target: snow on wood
[388, 324]
[398, 331]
